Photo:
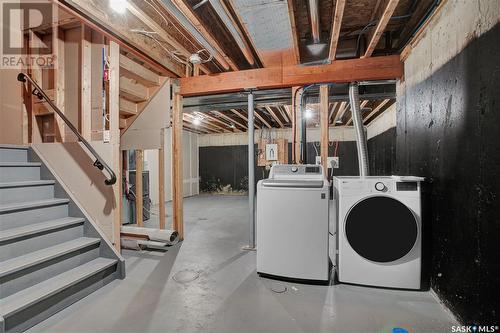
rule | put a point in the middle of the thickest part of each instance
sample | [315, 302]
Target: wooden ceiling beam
[376, 109]
[274, 116]
[332, 111]
[206, 123]
[295, 38]
[189, 118]
[242, 116]
[262, 119]
[361, 106]
[340, 71]
[95, 14]
[336, 25]
[220, 56]
[340, 112]
[383, 20]
[222, 115]
[217, 120]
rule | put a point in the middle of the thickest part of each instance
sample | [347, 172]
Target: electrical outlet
[106, 136]
[330, 159]
[333, 161]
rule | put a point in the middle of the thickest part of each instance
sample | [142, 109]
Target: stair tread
[7, 146]
[20, 164]
[29, 296]
[27, 183]
[31, 204]
[19, 263]
[36, 228]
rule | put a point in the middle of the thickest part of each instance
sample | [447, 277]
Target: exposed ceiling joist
[221, 57]
[383, 20]
[340, 113]
[295, 38]
[256, 113]
[222, 115]
[376, 109]
[361, 106]
[274, 116]
[337, 23]
[332, 111]
[242, 116]
[217, 120]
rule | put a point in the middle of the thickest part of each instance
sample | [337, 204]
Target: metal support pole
[251, 172]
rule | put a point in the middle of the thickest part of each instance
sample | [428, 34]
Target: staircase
[50, 254]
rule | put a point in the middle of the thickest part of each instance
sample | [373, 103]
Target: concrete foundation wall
[448, 116]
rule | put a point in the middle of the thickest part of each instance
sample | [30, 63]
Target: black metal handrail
[99, 162]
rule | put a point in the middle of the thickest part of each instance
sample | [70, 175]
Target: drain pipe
[359, 129]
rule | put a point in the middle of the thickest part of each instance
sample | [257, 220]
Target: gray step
[34, 258]
[19, 171]
[15, 215]
[24, 271]
[12, 153]
[26, 191]
[37, 236]
[32, 305]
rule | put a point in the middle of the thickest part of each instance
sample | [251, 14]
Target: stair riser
[19, 173]
[23, 194]
[18, 281]
[41, 241]
[40, 311]
[29, 216]
[13, 155]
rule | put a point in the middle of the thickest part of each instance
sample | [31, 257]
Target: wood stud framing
[337, 23]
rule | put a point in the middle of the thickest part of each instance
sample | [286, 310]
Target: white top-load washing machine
[292, 223]
[379, 231]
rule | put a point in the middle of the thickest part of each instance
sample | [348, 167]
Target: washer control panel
[287, 171]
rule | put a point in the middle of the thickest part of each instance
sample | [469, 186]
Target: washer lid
[381, 229]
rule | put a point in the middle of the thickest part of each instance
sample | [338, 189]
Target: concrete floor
[228, 296]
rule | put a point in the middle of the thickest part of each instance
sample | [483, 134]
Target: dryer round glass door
[381, 229]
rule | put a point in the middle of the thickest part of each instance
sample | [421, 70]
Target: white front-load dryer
[379, 231]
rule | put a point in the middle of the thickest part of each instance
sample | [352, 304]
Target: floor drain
[278, 288]
[185, 276]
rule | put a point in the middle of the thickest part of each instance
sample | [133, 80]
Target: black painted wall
[448, 131]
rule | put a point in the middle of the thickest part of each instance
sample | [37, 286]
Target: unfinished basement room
[250, 166]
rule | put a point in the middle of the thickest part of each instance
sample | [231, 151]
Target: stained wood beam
[341, 71]
[336, 25]
[242, 116]
[275, 117]
[222, 115]
[376, 109]
[177, 180]
[383, 20]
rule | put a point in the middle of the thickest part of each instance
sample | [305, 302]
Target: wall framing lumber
[177, 181]
[341, 71]
[139, 160]
[141, 74]
[86, 82]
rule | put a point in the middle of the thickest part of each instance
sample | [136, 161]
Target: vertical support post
[114, 131]
[323, 111]
[138, 188]
[161, 181]
[251, 171]
[86, 56]
[177, 184]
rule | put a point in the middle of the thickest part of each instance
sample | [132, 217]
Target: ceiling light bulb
[196, 121]
[119, 6]
[232, 126]
[338, 122]
[308, 114]
[195, 58]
